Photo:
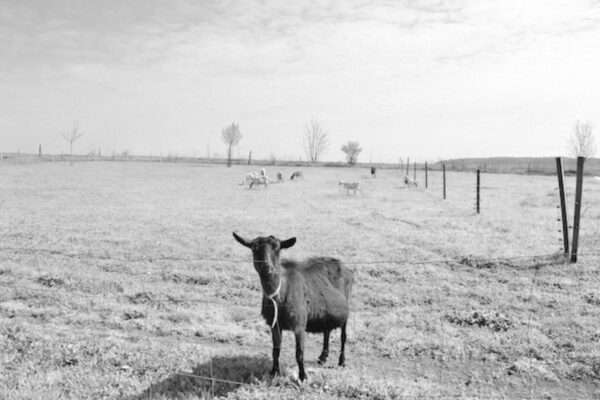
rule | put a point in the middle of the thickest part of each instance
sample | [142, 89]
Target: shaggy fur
[313, 296]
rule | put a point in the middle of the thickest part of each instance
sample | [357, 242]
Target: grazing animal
[410, 182]
[248, 178]
[310, 296]
[373, 172]
[258, 180]
[296, 175]
[279, 177]
[350, 186]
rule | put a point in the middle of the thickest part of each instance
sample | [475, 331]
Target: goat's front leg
[342, 361]
[276, 335]
[300, 334]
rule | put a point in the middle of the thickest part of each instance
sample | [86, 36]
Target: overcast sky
[419, 78]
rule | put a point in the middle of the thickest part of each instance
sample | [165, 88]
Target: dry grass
[115, 277]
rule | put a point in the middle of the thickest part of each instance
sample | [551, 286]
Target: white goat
[350, 186]
[410, 182]
[259, 180]
[248, 178]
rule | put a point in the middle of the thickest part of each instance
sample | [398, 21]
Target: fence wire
[557, 257]
[553, 258]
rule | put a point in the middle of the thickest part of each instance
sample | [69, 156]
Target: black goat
[296, 175]
[311, 296]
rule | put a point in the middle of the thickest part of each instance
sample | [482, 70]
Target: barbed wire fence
[526, 262]
[399, 261]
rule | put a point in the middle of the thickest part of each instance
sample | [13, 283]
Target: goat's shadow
[228, 373]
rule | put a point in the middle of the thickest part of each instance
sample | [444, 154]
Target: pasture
[117, 280]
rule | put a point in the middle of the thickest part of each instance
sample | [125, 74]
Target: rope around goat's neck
[272, 298]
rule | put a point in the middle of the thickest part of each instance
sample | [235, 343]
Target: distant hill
[518, 165]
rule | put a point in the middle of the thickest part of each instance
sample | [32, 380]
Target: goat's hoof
[322, 360]
[342, 362]
[275, 372]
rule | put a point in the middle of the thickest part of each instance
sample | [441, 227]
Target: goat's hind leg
[325, 352]
[300, 334]
[342, 360]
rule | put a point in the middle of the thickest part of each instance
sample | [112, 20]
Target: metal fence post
[478, 186]
[577, 215]
[563, 205]
[444, 178]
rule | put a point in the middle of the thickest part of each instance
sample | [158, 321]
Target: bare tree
[352, 150]
[316, 140]
[72, 136]
[231, 136]
[582, 142]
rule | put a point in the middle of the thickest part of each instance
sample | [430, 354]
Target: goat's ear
[241, 240]
[284, 244]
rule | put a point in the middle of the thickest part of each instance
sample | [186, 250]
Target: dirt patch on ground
[496, 321]
[515, 262]
[585, 368]
[142, 298]
[50, 281]
[134, 314]
[592, 298]
[190, 280]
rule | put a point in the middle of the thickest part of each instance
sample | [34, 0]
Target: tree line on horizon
[316, 140]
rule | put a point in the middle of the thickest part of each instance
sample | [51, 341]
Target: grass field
[117, 279]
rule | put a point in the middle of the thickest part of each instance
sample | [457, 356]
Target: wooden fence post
[478, 186]
[444, 178]
[415, 171]
[250, 157]
[426, 178]
[407, 165]
[577, 215]
[563, 205]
